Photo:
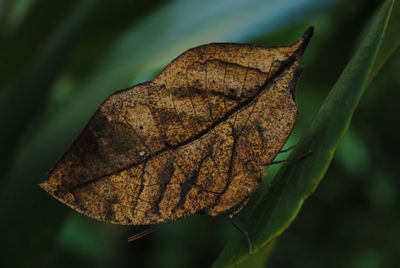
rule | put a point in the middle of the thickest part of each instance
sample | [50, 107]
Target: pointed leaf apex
[304, 40]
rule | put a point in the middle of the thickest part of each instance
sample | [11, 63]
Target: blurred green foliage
[60, 59]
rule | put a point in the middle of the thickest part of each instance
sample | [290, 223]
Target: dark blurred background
[60, 59]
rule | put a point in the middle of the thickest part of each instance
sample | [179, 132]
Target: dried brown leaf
[195, 139]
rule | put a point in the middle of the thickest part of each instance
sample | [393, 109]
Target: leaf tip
[304, 40]
[308, 33]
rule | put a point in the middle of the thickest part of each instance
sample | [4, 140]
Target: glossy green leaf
[276, 208]
[390, 41]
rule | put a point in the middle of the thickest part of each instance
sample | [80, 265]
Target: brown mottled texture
[195, 139]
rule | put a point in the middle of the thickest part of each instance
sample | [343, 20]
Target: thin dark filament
[287, 149]
[244, 232]
[141, 234]
[292, 160]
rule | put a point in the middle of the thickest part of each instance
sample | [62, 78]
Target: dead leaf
[195, 139]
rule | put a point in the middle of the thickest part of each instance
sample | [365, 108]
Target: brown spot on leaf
[194, 139]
